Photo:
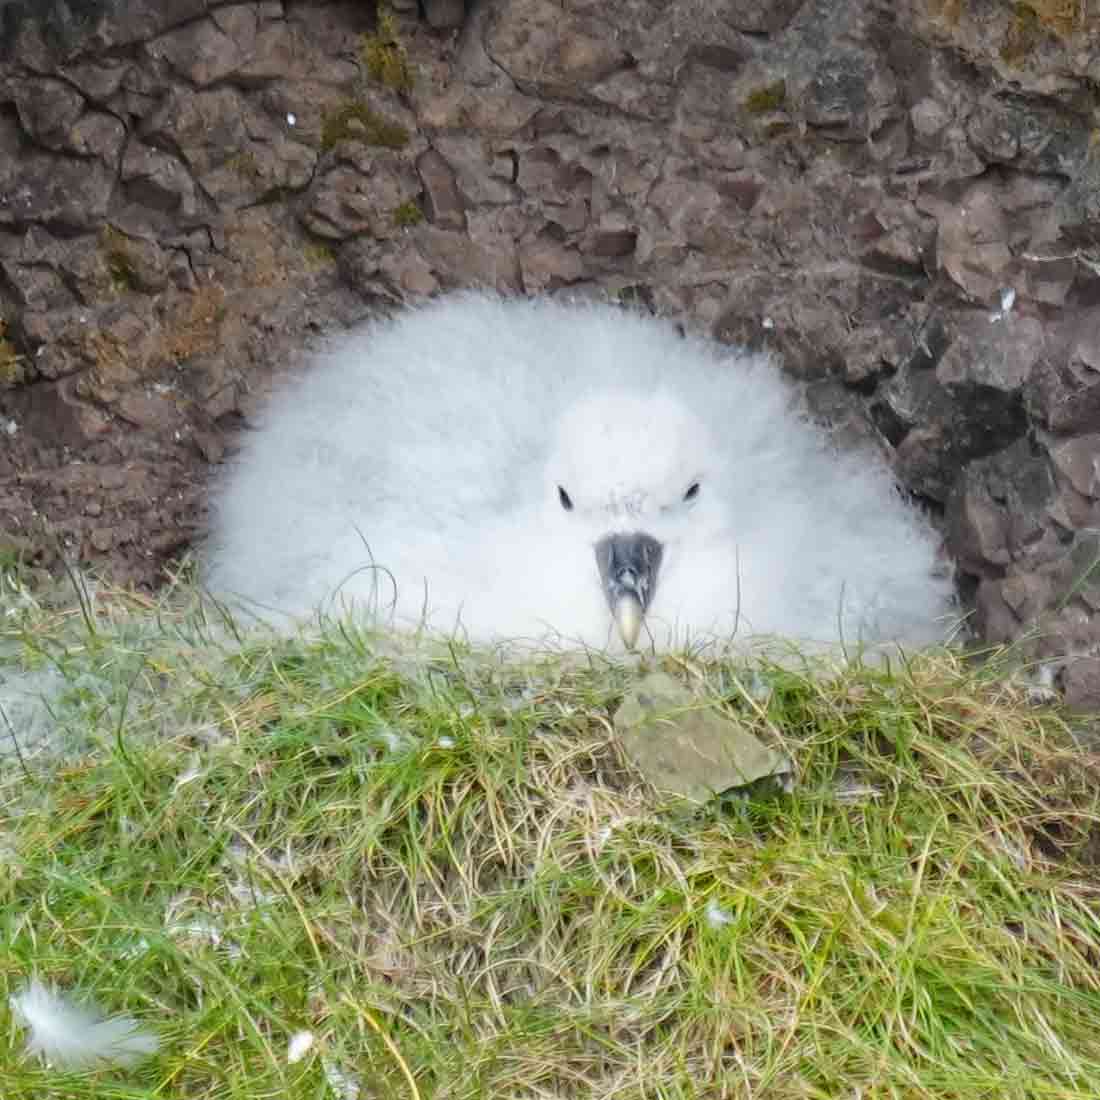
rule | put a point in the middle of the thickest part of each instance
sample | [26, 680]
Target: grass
[119, 260]
[771, 97]
[12, 368]
[355, 121]
[445, 871]
[407, 215]
[384, 53]
[319, 254]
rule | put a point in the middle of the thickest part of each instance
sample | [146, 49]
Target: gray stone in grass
[683, 745]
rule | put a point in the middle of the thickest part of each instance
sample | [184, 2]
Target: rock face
[899, 198]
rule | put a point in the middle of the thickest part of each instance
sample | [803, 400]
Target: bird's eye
[566, 502]
[692, 492]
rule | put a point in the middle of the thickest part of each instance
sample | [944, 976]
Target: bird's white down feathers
[72, 1036]
[422, 469]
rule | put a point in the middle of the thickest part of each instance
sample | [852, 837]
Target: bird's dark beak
[628, 571]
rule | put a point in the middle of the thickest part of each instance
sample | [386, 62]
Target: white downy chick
[578, 475]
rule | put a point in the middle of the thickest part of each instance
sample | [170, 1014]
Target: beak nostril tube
[628, 566]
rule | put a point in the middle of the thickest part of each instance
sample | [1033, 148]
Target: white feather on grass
[72, 1036]
[299, 1045]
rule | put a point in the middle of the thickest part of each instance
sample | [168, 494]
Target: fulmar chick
[574, 474]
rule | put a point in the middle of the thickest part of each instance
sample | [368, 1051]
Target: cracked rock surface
[901, 199]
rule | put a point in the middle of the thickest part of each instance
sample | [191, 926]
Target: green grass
[771, 97]
[355, 121]
[384, 54]
[407, 215]
[12, 368]
[443, 868]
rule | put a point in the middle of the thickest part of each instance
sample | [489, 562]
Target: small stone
[547, 265]
[928, 117]
[445, 14]
[445, 206]
[759, 16]
[1081, 683]
[209, 444]
[687, 749]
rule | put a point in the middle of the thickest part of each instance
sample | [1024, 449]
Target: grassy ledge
[444, 871]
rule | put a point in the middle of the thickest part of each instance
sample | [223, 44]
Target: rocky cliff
[902, 199]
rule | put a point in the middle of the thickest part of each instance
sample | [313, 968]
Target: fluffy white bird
[570, 473]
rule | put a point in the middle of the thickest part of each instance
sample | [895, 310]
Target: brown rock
[548, 52]
[209, 444]
[146, 410]
[107, 345]
[48, 109]
[929, 118]
[99, 78]
[445, 14]
[994, 355]
[201, 51]
[994, 132]
[494, 112]
[996, 508]
[695, 212]
[541, 172]
[479, 175]
[285, 51]
[1047, 279]
[759, 16]
[458, 261]
[571, 218]
[1064, 390]
[36, 288]
[97, 135]
[240, 21]
[850, 94]
[611, 239]
[547, 265]
[208, 128]
[972, 245]
[51, 414]
[140, 20]
[1077, 463]
[1081, 684]
[443, 202]
[409, 274]
[82, 262]
[67, 194]
[135, 263]
[157, 180]
[112, 477]
[345, 202]
[46, 272]
[258, 170]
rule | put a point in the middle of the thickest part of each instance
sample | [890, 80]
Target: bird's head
[628, 476]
